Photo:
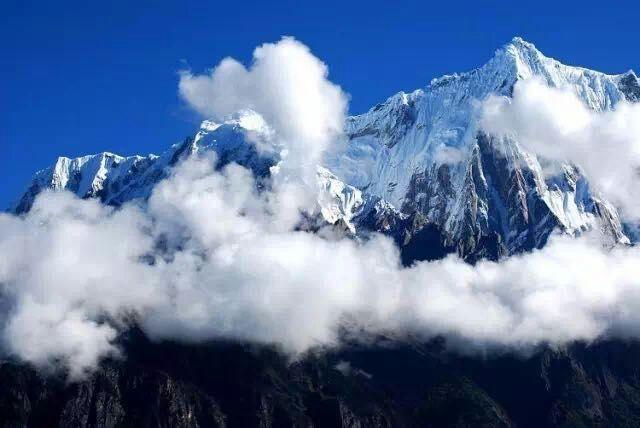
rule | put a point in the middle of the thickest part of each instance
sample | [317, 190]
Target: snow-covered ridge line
[116, 179]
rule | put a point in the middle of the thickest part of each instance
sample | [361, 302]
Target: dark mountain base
[392, 384]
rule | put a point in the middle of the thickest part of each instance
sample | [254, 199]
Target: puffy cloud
[287, 85]
[64, 266]
[556, 125]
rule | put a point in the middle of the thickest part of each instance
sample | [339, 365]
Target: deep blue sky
[79, 77]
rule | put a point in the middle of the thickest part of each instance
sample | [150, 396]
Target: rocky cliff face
[393, 384]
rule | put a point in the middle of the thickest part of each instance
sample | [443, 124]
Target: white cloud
[75, 274]
[287, 85]
[556, 125]
[65, 265]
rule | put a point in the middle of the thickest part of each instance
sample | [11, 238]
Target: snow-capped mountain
[116, 179]
[423, 153]
[414, 163]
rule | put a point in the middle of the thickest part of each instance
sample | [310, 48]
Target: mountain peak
[519, 43]
[515, 60]
[246, 119]
[521, 58]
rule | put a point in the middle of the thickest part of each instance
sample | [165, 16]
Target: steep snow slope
[103, 175]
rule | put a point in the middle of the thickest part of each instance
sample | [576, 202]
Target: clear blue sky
[79, 77]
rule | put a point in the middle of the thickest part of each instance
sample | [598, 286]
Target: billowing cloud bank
[209, 256]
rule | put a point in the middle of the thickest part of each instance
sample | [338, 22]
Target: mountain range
[415, 167]
[397, 175]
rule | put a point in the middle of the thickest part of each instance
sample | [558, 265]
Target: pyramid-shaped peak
[520, 47]
[521, 43]
[521, 59]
